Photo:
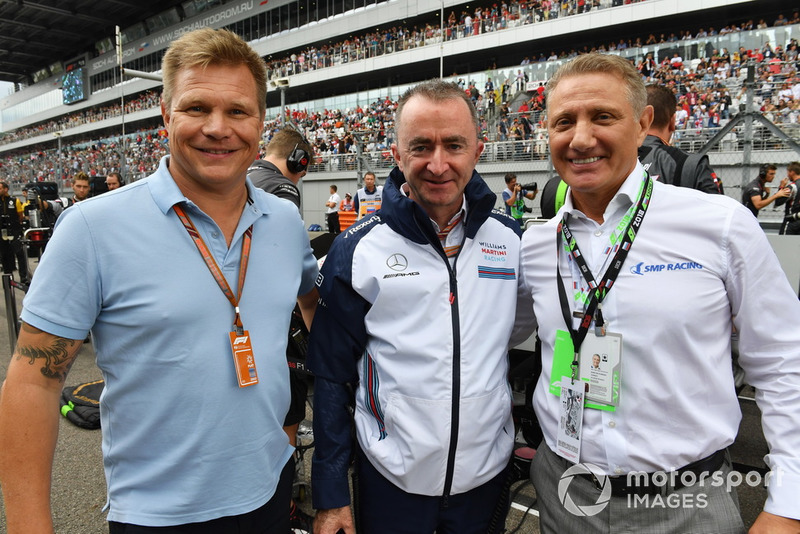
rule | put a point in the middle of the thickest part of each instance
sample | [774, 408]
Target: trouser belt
[662, 482]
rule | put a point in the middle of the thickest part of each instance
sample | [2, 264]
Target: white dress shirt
[699, 264]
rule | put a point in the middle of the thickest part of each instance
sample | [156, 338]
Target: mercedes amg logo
[397, 262]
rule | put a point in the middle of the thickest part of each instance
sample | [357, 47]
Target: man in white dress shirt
[651, 277]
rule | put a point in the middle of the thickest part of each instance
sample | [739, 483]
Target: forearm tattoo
[57, 358]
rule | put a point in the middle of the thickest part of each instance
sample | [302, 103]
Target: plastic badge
[243, 359]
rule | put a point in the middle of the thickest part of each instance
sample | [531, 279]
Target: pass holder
[243, 358]
[600, 365]
[564, 365]
[570, 421]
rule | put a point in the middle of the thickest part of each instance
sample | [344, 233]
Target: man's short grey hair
[604, 63]
[436, 90]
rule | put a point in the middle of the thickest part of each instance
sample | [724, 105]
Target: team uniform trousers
[386, 509]
[700, 509]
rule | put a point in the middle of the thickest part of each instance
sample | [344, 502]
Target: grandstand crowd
[709, 91]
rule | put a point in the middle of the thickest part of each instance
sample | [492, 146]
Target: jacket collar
[407, 218]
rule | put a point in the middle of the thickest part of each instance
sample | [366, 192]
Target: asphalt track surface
[79, 489]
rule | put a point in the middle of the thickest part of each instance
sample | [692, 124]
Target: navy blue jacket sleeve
[338, 338]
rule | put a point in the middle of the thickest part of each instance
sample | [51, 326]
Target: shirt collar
[166, 192]
[460, 213]
[626, 195]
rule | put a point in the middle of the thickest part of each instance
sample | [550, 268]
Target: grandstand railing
[144, 149]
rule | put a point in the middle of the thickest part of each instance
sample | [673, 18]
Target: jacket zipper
[455, 414]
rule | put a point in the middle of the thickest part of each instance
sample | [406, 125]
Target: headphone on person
[762, 170]
[298, 160]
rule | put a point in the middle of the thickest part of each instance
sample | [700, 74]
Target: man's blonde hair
[204, 47]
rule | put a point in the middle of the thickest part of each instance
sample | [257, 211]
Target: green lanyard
[624, 234]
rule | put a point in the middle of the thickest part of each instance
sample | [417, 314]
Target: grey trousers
[690, 510]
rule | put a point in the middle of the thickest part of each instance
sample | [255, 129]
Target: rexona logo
[642, 269]
[587, 509]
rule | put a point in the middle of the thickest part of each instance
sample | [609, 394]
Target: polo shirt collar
[166, 192]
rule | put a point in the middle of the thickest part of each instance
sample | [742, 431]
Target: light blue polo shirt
[182, 442]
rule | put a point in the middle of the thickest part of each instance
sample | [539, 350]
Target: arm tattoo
[57, 357]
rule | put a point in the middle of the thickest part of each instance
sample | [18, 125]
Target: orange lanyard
[214, 268]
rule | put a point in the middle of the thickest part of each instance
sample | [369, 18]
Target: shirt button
[618, 471]
[215, 235]
[598, 233]
[612, 423]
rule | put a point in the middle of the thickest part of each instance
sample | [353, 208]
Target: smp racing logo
[641, 268]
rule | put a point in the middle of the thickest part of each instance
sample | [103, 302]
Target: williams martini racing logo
[642, 268]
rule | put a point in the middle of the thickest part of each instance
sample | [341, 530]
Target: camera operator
[514, 197]
[11, 227]
[80, 188]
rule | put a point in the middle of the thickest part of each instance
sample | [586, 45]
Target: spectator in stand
[145, 159]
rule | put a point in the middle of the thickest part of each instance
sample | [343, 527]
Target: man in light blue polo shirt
[196, 382]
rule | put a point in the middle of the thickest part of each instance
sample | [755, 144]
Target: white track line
[525, 509]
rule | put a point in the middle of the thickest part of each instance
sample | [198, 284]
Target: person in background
[514, 198]
[286, 161]
[668, 163]
[368, 198]
[791, 218]
[80, 192]
[284, 165]
[755, 195]
[11, 218]
[347, 203]
[332, 210]
[114, 181]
